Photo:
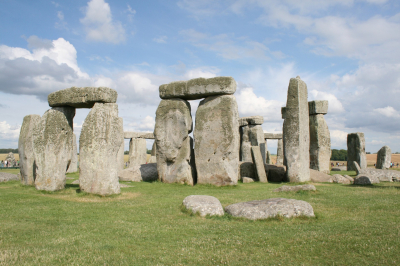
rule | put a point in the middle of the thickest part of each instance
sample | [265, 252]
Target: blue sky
[347, 51]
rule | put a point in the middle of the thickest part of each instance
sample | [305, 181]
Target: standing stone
[73, 166]
[153, 158]
[25, 149]
[52, 147]
[137, 151]
[11, 159]
[99, 143]
[320, 141]
[279, 153]
[252, 135]
[173, 123]
[356, 151]
[384, 158]
[296, 135]
[259, 164]
[217, 141]
[121, 151]
[269, 159]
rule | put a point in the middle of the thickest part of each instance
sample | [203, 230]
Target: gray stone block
[82, 97]
[384, 158]
[356, 151]
[320, 144]
[251, 120]
[204, 205]
[135, 135]
[137, 152]
[318, 107]
[259, 164]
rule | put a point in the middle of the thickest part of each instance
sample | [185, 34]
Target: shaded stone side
[269, 159]
[217, 141]
[356, 151]
[384, 158]
[320, 144]
[296, 136]
[52, 146]
[99, 143]
[137, 151]
[251, 120]
[279, 153]
[25, 149]
[121, 150]
[173, 124]
[153, 158]
[73, 166]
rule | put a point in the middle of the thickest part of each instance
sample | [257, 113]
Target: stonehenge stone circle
[198, 88]
[173, 124]
[73, 166]
[356, 151]
[217, 141]
[137, 151]
[99, 143]
[320, 141]
[82, 97]
[52, 147]
[25, 149]
[384, 157]
[296, 136]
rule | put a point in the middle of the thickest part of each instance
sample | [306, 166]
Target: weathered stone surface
[259, 164]
[247, 169]
[252, 135]
[247, 180]
[273, 136]
[279, 153]
[340, 179]
[204, 205]
[121, 150]
[295, 188]
[153, 157]
[73, 166]
[5, 177]
[283, 112]
[137, 173]
[381, 174]
[349, 178]
[135, 135]
[320, 144]
[365, 180]
[275, 173]
[25, 149]
[11, 159]
[269, 159]
[384, 158]
[251, 120]
[317, 176]
[296, 136]
[318, 107]
[82, 97]
[99, 143]
[356, 151]
[217, 141]
[173, 123]
[52, 148]
[137, 151]
[268, 208]
[198, 88]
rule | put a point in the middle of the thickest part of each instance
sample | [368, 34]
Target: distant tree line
[339, 155]
[8, 150]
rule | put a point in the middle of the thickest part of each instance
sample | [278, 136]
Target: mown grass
[146, 225]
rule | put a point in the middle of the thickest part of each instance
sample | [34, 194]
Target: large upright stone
[217, 141]
[82, 97]
[252, 135]
[99, 143]
[279, 153]
[320, 141]
[384, 158]
[73, 166]
[259, 164]
[25, 149]
[198, 88]
[121, 151]
[356, 151]
[296, 136]
[137, 151]
[173, 123]
[52, 147]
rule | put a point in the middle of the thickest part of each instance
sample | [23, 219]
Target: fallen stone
[251, 120]
[204, 205]
[340, 179]
[25, 149]
[217, 141]
[356, 151]
[365, 180]
[319, 177]
[247, 180]
[381, 174]
[5, 177]
[349, 178]
[198, 88]
[145, 172]
[275, 173]
[252, 135]
[259, 164]
[269, 208]
[295, 188]
[82, 97]
[384, 158]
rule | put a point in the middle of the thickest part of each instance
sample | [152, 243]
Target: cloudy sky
[347, 51]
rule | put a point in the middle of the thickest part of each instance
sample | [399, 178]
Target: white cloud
[338, 138]
[60, 15]
[99, 24]
[9, 132]
[388, 111]
[161, 39]
[131, 13]
[334, 105]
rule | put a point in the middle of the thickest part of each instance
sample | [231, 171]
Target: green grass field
[145, 225]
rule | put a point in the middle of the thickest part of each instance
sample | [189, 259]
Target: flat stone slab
[4, 177]
[204, 205]
[381, 174]
[135, 135]
[268, 208]
[82, 97]
[273, 136]
[296, 188]
[198, 88]
[251, 120]
[318, 177]
[365, 180]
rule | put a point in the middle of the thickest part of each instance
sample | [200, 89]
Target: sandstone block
[273, 136]
[137, 173]
[137, 151]
[259, 164]
[384, 158]
[317, 176]
[252, 135]
[25, 149]
[135, 135]
[99, 143]
[318, 107]
[356, 151]
[381, 174]
[251, 120]
[320, 144]
[365, 180]
[82, 97]
[52, 147]
[279, 153]
[217, 141]
[198, 88]
[204, 205]
[173, 123]
[73, 166]
[121, 151]
[247, 180]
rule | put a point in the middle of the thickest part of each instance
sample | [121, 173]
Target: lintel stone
[318, 107]
[82, 97]
[273, 136]
[251, 120]
[135, 135]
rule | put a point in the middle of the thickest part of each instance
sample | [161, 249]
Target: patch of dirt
[92, 198]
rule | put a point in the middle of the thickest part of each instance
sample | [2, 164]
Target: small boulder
[268, 208]
[204, 205]
[295, 188]
[365, 180]
[340, 179]
[349, 178]
[247, 180]
[4, 177]
[317, 176]
[137, 173]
